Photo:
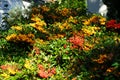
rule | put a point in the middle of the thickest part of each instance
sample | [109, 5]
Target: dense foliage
[60, 42]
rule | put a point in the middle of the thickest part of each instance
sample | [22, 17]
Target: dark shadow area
[113, 9]
[14, 51]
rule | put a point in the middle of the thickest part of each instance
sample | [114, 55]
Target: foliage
[57, 42]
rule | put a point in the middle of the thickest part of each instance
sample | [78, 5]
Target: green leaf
[116, 64]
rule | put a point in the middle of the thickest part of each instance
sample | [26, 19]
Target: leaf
[65, 57]
[116, 64]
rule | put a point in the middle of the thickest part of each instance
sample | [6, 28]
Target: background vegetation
[60, 42]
